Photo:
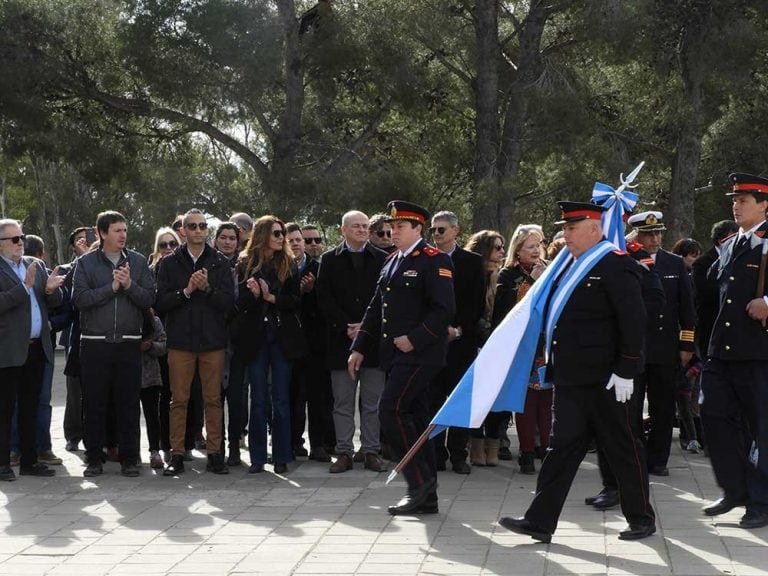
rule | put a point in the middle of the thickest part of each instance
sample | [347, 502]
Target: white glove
[622, 386]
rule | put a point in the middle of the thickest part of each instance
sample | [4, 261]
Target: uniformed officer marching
[735, 378]
[595, 353]
[669, 340]
[408, 319]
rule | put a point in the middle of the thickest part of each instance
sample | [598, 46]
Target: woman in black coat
[268, 336]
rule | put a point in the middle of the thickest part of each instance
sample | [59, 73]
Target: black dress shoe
[37, 469]
[607, 499]
[722, 506]
[523, 526]
[176, 466]
[637, 531]
[754, 519]
[461, 467]
[7, 474]
[130, 469]
[93, 469]
[658, 471]
[415, 499]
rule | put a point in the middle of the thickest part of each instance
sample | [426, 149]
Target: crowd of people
[257, 334]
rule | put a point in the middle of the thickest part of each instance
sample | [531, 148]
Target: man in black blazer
[26, 292]
[469, 290]
[734, 382]
[346, 282]
[594, 355]
[669, 340]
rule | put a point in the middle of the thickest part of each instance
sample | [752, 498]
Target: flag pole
[410, 454]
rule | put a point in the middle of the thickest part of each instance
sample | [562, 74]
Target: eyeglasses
[313, 240]
[498, 247]
[278, 233]
[196, 225]
[171, 244]
[438, 230]
[382, 233]
[14, 239]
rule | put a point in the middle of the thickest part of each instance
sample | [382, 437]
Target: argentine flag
[498, 378]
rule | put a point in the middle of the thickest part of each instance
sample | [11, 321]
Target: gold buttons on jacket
[728, 301]
[384, 335]
[727, 324]
[727, 347]
[731, 278]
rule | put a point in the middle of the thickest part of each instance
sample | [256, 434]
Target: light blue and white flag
[617, 203]
[498, 378]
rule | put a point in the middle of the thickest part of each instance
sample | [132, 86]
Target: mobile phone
[90, 236]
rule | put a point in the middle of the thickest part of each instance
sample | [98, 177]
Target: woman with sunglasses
[267, 336]
[524, 264]
[166, 241]
[484, 447]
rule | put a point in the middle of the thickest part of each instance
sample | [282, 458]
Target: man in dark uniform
[594, 354]
[469, 289]
[735, 378]
[668, 340]
[408, 320]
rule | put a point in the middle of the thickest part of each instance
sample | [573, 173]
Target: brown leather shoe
[342, 464]
[374, 462]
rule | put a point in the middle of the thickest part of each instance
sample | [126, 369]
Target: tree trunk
[486, 92]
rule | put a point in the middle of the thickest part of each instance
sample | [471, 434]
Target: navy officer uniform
[734, 411]
[595, 342]
[670, 332]
[414, 297]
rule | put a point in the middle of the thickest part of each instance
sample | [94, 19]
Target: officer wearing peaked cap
[408, 320]
[594, 308]
[735, 378]
[669, 340]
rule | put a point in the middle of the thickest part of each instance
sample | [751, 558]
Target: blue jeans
[270, 358]
[43, 428]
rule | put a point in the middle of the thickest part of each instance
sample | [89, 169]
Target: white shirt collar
[750, 231]
[413, 246]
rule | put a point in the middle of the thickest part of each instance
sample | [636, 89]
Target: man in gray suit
[26, 292]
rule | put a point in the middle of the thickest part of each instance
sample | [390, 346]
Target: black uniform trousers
[21, 384]
[404, 412]
[582, 413]
[658, 381]
[734, 414]
[111, 368]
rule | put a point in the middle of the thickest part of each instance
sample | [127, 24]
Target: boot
[526, 462]
[477, 452]
[492, 451]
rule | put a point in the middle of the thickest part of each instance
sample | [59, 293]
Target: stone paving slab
[311, 522]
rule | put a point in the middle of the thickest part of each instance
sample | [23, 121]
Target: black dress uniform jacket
[706, 298]
[735, 336]
[672, 330]
[343, 293]
[597, 332]
[416, 301]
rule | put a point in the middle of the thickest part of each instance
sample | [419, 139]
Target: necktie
[742, 242]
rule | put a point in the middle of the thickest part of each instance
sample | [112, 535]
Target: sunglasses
[382, 233]
[14, 239]
[438, 230]
[278, 233]
[196, 225]
[313, 240]
[171, 244]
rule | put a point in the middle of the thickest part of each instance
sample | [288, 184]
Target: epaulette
[759, 233]
[620, 253]
[634, 246]
[431, 251]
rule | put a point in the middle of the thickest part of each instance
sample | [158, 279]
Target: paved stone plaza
[312, 522]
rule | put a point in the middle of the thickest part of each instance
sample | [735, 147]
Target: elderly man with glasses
[26, 291]
[195, 292]
[469, 291]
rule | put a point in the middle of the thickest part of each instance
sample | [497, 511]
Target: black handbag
[290, 336]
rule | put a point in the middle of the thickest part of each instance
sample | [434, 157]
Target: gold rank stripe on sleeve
[686, 335]
[445, 272]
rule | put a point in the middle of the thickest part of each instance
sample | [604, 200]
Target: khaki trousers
[181, 368]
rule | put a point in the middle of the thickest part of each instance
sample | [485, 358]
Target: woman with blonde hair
[484, 446]
[523, 266]
[267, 335]
[166, 241]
